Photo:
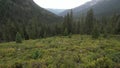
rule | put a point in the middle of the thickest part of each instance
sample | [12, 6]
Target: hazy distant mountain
[75, 10]
[56, 11]
[100, 7]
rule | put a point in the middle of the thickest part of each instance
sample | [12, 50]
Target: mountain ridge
[100, 7]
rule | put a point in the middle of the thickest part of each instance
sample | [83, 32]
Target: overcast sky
[60, 4]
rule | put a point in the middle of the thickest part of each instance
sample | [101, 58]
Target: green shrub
[104, 63]
[95, 33]
[18, 38]
[101, 63]
[65, 32]
[116, 57]
[37, 54]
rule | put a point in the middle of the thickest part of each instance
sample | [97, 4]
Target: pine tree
[89, 22]
[18, 38]
[105, 34]
[68, 22]
[65, 32]
[95, 32]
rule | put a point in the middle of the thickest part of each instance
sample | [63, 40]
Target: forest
[33, 37]
[86, 43]
[86, 25]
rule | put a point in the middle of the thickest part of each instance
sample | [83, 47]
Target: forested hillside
[33, 22]
[85, 37]
[22, 16]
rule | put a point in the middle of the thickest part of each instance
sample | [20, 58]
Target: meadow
[75, 51]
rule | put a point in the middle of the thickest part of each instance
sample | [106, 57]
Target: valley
[86, 36]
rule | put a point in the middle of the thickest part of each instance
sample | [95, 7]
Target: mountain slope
[23, 16]
[19, 10]
[107, 7]
[75, 10]
[100, 7]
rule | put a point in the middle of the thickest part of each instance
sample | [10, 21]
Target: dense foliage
[18, 38]
[90, 25]
[96, 44]
[33, 22]
[23, 16]
[77, 51]
[87, 24]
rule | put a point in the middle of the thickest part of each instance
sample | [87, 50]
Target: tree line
[87, 24]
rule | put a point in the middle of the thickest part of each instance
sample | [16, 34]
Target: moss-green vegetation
[77, 51]
[18, 38]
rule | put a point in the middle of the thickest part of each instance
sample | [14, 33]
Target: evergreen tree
[65, 32]
[18, 38]
[71, 23]
[105, 34]
[95, 32]
[89, 22]
[68, 22]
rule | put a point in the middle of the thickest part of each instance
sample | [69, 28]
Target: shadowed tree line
[87, 24]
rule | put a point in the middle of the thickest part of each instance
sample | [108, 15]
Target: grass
[77, 51]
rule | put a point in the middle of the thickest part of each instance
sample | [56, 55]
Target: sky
[60, 4]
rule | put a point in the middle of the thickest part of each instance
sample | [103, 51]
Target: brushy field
[76, 51]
